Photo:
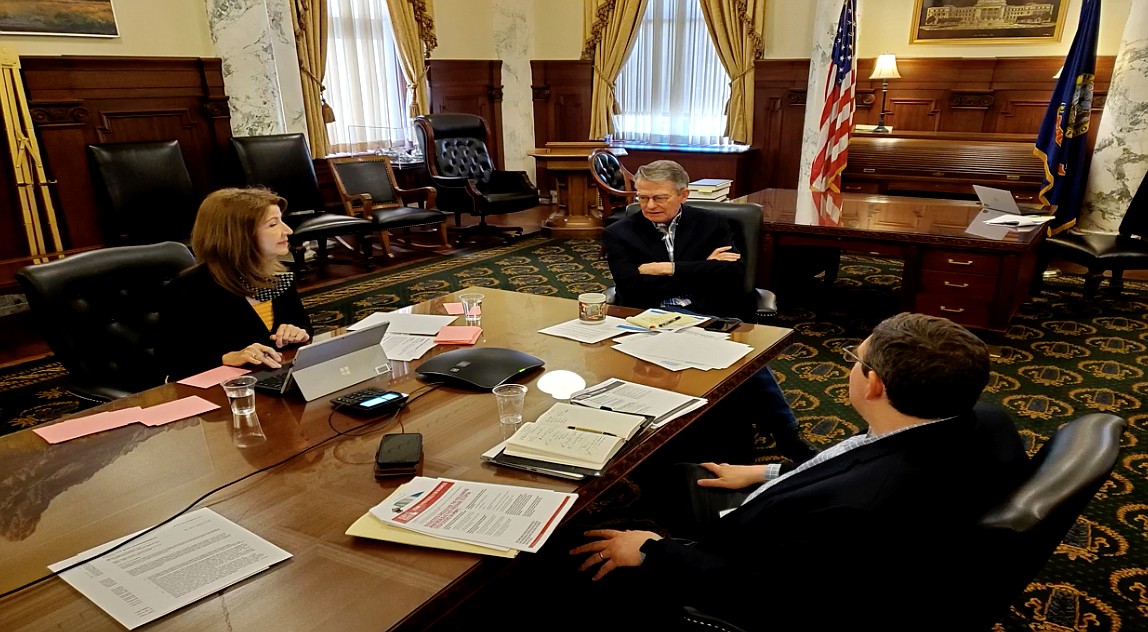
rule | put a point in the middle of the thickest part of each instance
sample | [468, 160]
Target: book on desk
[569, 441]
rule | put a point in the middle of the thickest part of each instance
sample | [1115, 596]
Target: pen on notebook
[667, 323]
[609, 434]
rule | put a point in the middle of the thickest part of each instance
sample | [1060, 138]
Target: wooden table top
[891, 217]
[63, 499]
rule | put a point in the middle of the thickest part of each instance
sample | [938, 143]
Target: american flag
[836, 122]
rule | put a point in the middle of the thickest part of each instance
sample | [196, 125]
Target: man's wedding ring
[601, 556]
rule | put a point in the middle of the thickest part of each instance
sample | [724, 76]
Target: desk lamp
[885, 69]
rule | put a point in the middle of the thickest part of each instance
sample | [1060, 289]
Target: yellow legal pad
[371, 527]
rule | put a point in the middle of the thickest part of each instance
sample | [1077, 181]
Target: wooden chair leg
[443, 233]
[1092, 282]
[1116, 283]
[364, 241]
[385, 239]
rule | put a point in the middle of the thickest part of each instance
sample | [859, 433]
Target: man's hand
[723, 254]
[657, 268]
[613, 550]
[732, 476]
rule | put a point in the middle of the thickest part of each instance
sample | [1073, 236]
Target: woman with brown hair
[238, 306]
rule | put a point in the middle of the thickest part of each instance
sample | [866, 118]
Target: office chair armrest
[451, 182]
[424, 195]
[765, 303]
[363, 201]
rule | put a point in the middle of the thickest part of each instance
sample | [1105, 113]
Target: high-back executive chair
[615, 184]
[455, 148]
[1016, 538]
[144, 192]
[745, 222]
[99, 311]
[282, 163]
[1126, 250]
[367, 188]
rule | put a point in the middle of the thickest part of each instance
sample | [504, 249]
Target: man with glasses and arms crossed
[678, 257]
[869, 534]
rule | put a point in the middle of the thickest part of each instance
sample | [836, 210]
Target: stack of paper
[446, 513]
[638, 399]
[1020, 222]
[409, 336]
[458, 335]
[582, 332]
[685, 349]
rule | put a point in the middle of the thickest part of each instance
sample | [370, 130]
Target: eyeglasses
[657, 199]
[850, 354]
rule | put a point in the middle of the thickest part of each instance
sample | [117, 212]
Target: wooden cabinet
[959, 285]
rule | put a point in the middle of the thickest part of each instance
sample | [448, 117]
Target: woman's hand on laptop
[254, 353]
[289, 335]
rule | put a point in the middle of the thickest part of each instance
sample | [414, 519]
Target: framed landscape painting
[79, 18]
[988, 21]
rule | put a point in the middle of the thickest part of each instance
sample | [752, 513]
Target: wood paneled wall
[77, 101]
[472, 87]
[1006, 95]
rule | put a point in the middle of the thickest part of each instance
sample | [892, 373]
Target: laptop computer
[321, 368]
[1002, 200]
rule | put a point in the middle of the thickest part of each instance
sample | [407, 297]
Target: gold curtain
[736, 28]
[413, 21]
[310, 20]
[611, 27]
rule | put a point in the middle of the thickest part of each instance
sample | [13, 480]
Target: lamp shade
[886, 68]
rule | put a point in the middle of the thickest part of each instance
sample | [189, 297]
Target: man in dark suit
[870, 534]
[678, 257]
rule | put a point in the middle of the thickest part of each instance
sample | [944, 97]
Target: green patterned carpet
[1062, 357]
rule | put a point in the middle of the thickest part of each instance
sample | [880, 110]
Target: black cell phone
[723, 324]
[400, 454]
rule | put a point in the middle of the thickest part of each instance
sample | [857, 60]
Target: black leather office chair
[615, 184]
[1014, 540]
[282, 163]
[367, 187]
[1126, 250]
[745, 221]
[99, 312]
[144, 192]
[1018, 536]
[454, 147]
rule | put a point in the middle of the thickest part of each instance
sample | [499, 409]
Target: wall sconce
[885, 69]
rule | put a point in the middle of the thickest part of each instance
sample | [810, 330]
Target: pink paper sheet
[456, 309]
[91, 424]
[211, 378]
[458, 335]
[173, 411]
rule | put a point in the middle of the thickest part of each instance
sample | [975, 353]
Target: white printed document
[504, 516]
[582, 332]
[193, 556]
[681, 350]
[406, 347]
[638, 399]
[403, 323]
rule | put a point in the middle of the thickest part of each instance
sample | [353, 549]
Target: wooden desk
[575, 216]
[66, 498]
[975, 281]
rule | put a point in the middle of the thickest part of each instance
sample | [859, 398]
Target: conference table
[62, 499]
[955, 265]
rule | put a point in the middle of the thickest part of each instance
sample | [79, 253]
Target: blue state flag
[1063, 140]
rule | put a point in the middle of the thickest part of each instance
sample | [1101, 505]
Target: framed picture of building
[988, 21]
[77, 18]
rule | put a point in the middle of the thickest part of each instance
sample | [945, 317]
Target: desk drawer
[967, 312]
[961, 261]
[962, 286]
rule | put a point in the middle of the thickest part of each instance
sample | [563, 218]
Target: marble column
[825, 18]
[1120, 158]
[514, 44]
[256, 40]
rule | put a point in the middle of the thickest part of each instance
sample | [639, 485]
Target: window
[672, 88]
[365, 85]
